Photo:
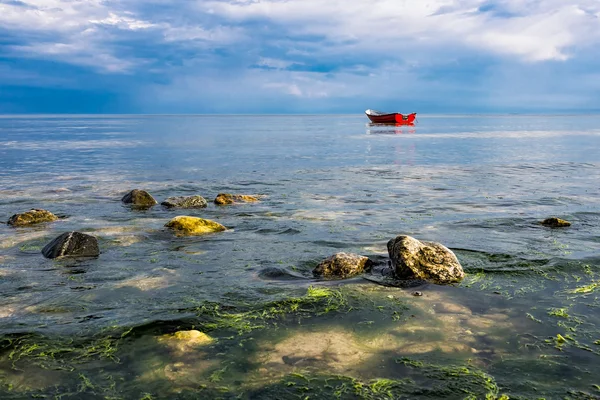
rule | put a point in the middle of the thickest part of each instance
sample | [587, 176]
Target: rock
[185, 202]
[73, 244]
[34, 216]
[184, 341]
[554, 222]
[185, 226]
[139, 198]
[226, 198]
[430, 261]
[342, 265]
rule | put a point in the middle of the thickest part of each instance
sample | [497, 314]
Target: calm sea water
[478, 184]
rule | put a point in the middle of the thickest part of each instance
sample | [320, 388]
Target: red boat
[379, 117]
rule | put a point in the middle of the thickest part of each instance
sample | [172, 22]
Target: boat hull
[393, 118]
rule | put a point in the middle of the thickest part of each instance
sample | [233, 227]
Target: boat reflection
[390, 129]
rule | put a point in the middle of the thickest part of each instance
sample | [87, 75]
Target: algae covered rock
[183, 341]
[226, 198]
[342, 265]
[185, 226]
[74, 244]
[139, 198]
[185, 202]
[33, 216]
[554, 222]
[412, 259]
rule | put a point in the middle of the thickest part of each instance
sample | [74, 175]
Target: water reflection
[390, 129]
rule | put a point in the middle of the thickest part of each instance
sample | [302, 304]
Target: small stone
[139, 198]
[226, 198]
[72, 244]
[554, 222]
[390, 297]
[186, 226]
[417, 293]
[185, 202]
[34, 216]
[342, 265]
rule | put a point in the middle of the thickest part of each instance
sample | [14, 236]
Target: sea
[239, 315]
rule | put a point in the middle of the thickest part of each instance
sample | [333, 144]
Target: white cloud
[540, 30]
[72, 32]
[123, 22]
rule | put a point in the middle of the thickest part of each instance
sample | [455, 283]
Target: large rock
[412, 259]
[185, 202]
[34, 216]
[186, 226]
[226, 198]
[342, 265]
[554, 222]
[74, 244]
[139, 198]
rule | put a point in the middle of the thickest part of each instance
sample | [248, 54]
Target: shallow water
[478, 184]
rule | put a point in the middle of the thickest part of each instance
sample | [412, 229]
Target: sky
[299, 56]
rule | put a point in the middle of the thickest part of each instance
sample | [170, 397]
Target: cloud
[531, 30]
[308, 54]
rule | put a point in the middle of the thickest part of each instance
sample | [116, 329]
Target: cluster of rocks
[142, 199]
[410, 258]
[77, 244]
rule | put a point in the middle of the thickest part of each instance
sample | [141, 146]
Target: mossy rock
[185, 202]
[227, 198]
[186, 226]
[430, 261]
[184, 341]
[342, 265]
[554, 222]
[34, 216]
[139, 198]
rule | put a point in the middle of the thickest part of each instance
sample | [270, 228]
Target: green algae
[246, 318]
[559, 312]
[586, 289]
[426, 381]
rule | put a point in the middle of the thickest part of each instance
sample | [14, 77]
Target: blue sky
[299, 56]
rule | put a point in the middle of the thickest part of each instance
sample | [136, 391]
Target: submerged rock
[342, 265]
[226, 198]
[554, 222]
[184, 341]
[430, 261]
[74, 244]
[139, 198]
[33, 216]
[185, 202]
[185, 226]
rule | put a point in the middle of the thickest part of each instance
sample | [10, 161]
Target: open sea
[523, 324]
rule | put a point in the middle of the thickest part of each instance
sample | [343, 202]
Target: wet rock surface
[186, 226]
[184, 341]
[139, 198]
[430, 261]
[554, 222]
[185, 202]
[73, 244]
[34, 216]
[342, 265]
[227, 198]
